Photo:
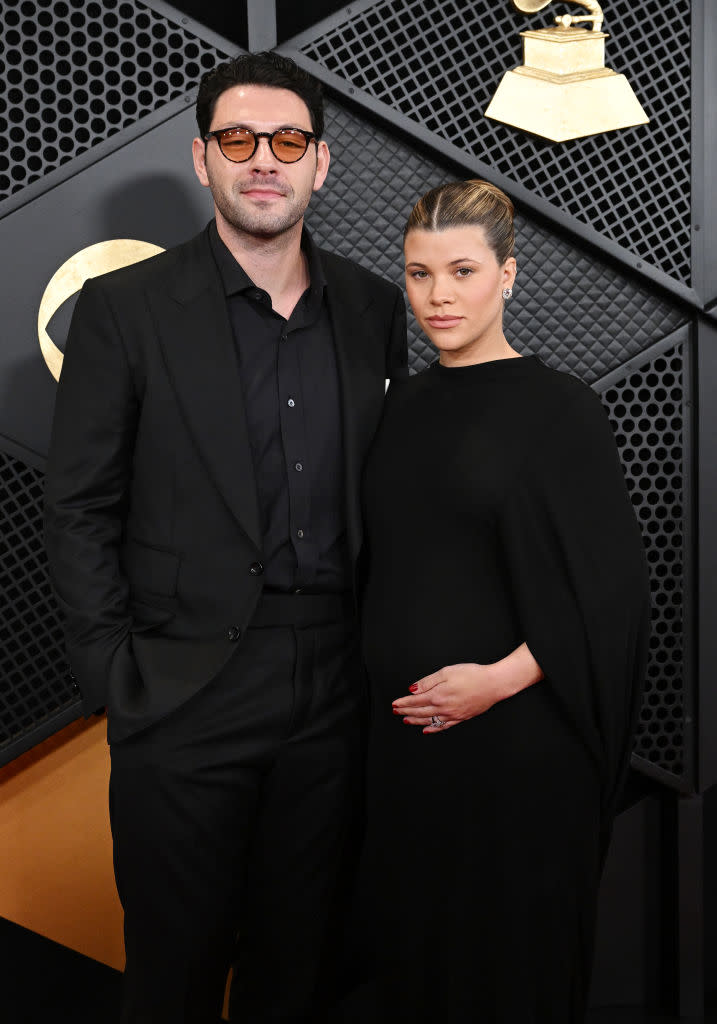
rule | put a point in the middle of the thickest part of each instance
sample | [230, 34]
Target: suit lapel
[361, 383]
[200, 354]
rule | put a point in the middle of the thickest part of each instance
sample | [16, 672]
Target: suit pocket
[152, 574]
[150, 615]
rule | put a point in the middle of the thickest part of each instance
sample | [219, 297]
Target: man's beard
[257, 221]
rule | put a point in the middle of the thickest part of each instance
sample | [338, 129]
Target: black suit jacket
[152, 525]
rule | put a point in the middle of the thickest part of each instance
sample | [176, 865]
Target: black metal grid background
[35, 684]
[439, 64]
[579, 313]
[647, 411]
[79, 72]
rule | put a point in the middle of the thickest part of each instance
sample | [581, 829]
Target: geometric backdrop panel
[578, 312]
[648, 409]
[78, 73]
[35, 684]
[439, 65]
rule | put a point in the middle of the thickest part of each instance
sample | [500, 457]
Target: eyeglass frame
[309, 136]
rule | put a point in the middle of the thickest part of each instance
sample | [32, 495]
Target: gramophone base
[558, 110]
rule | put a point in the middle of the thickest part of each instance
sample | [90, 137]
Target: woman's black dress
[496, 513]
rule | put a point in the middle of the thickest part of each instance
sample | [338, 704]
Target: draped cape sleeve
[579, 579]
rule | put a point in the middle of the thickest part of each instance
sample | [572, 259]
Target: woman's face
[455, 285]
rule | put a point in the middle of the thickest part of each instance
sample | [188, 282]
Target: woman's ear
[510, 269]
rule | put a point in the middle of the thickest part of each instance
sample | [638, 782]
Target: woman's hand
[453, 694]
[459, 692]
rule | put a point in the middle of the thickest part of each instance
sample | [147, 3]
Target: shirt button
[291, 403]
[300, 534]
[298, 467]
[234, 633]
[256, 569]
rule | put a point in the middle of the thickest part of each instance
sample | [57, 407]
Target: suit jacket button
[234, 633]
[256, 569]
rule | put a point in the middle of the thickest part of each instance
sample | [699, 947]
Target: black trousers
[233, 817]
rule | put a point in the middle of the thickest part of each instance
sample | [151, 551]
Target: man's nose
[263, 158]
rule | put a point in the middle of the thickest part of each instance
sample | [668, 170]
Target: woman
[505, 621]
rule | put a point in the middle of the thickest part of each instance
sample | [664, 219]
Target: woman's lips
[442, 322]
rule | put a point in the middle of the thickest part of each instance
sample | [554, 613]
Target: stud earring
[507, 293]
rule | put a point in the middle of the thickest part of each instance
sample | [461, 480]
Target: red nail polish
[397, 711]
[413, 688]
[405, 721]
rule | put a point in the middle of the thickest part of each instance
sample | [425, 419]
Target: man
[203, 526]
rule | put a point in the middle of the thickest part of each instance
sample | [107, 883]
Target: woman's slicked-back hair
[461, 204]
[268, 69]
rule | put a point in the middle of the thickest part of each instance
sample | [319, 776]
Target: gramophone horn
[530, 6]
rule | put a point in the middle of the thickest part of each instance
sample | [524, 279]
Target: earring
[507, 293]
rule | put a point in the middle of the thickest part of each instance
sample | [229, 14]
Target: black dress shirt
[293, 411]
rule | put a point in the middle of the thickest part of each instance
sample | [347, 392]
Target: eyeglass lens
[287, 145]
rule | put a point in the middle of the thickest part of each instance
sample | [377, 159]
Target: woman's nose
[441, 292]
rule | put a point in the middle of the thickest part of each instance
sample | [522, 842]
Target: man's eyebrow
[280, 128]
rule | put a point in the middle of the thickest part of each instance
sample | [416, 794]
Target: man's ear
[323, 159]
[199, 155]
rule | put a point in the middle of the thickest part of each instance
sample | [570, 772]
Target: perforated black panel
[440, 63]
[35, 683]
[647, 414]
[577, 313]
[79, 72]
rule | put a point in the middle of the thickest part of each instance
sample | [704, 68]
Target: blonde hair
[465, 204]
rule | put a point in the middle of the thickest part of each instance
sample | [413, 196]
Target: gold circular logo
[90, 262]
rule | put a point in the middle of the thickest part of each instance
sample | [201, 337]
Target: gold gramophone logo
[563, 90]
[90, 262]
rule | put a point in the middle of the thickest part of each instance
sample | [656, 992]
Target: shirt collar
[236, 280]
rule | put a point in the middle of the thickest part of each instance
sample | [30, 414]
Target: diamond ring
[437, 722]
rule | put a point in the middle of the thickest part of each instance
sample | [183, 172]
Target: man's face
[262, 197]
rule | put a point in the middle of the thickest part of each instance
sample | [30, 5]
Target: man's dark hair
[269, 69]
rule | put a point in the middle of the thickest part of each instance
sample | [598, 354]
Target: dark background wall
[617, 283]
[292, 17]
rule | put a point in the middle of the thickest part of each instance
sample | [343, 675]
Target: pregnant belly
[410, 634]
